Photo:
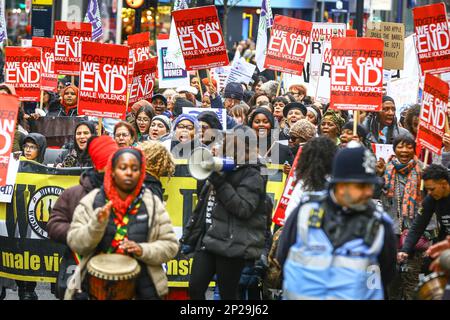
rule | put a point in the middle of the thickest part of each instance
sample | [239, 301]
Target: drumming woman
[126, 218]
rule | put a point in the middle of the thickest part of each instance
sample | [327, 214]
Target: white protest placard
[322, 81]
[221, 74]
[404, 91]
[320, 35]
[384, 151]
[385, 5]
[6, 192]
[170, 74]
[241, 71]
[221, 114]
[26, 43]
[410, 59]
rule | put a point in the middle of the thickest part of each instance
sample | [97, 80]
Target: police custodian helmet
[354, 164]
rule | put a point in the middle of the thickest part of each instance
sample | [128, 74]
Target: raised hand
[104, 212]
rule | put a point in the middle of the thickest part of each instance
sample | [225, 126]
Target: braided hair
[315, 163]
[159, 161]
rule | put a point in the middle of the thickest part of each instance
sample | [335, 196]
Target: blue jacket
[346, 264]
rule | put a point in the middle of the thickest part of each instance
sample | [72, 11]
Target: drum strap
[76, 257]
[153, 216]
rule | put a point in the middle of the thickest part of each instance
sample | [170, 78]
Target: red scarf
[120, 206]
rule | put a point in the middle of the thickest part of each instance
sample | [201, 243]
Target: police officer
[339, 245]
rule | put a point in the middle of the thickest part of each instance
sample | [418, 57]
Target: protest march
[310, 160]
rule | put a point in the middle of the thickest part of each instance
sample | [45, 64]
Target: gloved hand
[216, 179]
[260, 268]
[186, 249]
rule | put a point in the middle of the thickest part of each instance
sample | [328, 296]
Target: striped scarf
[412, 195]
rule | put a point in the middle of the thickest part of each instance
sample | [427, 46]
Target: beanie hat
[164, 119]
[181, 103]
[100, 149]
[360, 131]
[270, 88]
[265, 112]
[211, 119]
[234, 90]
[160, 96]
[387, 98]
[185, 116]
[304, 129]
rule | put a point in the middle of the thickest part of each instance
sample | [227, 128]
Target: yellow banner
[26, 252]
[43, 2]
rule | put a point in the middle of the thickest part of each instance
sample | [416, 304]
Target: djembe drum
[431, 287]
[112, 276]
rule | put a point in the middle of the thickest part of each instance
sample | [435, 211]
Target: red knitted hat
[100, 149]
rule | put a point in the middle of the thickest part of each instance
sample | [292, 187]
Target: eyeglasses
[143, 119]
[293, 139]
[31, 147]
[125, 135]
[181, 127]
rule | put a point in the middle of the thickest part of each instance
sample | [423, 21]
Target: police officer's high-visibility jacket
[314, 269]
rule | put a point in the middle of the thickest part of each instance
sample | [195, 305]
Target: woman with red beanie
[150, 239]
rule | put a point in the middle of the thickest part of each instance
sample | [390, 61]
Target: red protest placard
[432, 38]
[201, 38]
[103, 80]
[141, 87]
[356, 74]
[432, 114]
[68, 37]
[288, 45]
[350, 33]
[9, 107]
[279, 214]
[49, 79]
[139, 45]
[23, 70]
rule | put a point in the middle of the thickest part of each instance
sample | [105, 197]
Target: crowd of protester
[230, 233]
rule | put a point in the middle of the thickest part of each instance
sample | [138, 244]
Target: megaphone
[202, 163]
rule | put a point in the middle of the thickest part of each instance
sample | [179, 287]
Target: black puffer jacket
[239, 216]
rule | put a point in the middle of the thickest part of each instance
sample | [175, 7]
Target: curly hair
[411, 112]
[315, 163]
[159, 161]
